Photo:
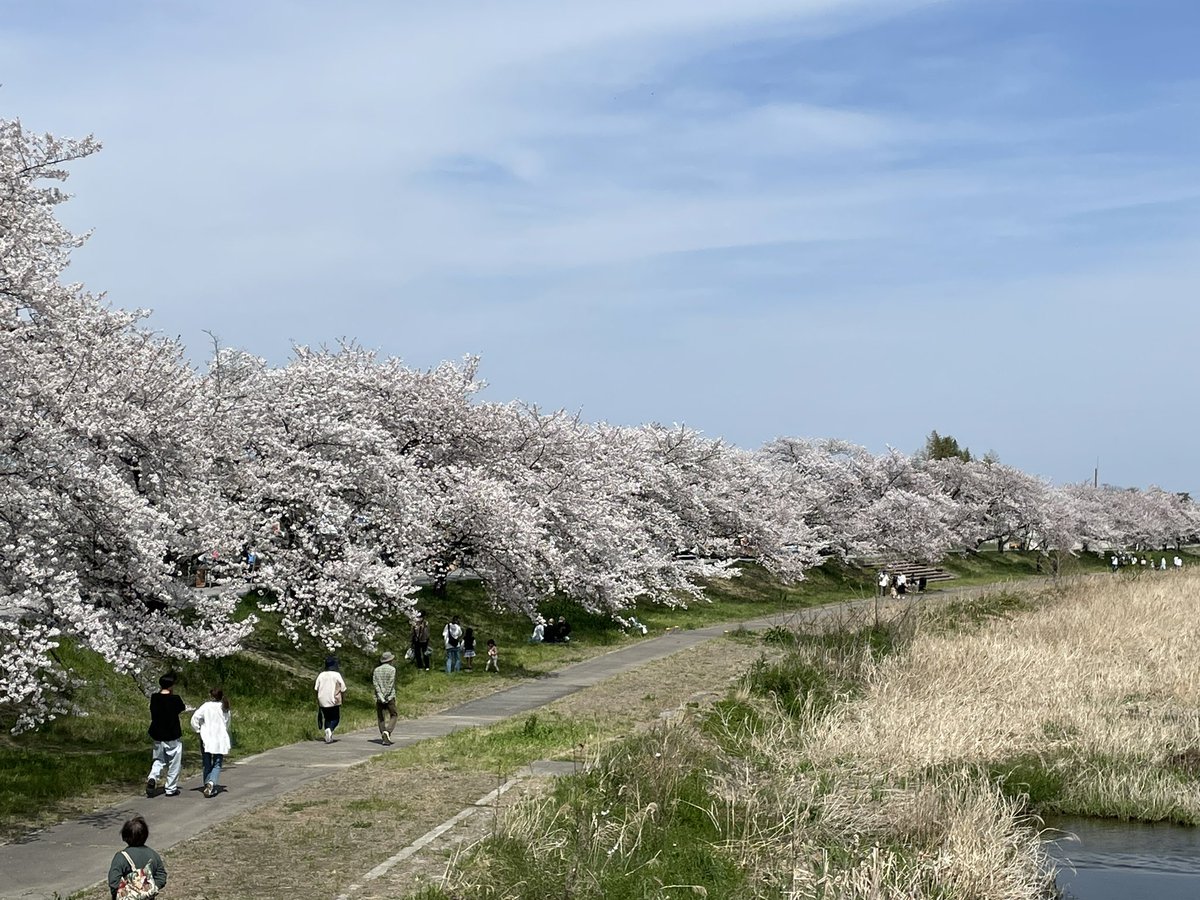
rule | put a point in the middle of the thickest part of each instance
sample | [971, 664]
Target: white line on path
[430, 836]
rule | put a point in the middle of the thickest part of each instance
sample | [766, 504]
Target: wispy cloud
[762, 216]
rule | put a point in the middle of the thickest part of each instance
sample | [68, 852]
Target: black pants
[421, 654]
[328, 717]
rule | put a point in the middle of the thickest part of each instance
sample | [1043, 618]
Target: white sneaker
[387, 737]
[329, 735]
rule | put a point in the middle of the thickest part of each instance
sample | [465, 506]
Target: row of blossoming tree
[350, 477]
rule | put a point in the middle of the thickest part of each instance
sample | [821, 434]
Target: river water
[1126, 860]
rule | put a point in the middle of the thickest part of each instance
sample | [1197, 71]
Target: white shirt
[329, 685]
[211, 722]
[452, 630]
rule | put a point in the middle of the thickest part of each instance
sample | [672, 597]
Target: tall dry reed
[1100, 685]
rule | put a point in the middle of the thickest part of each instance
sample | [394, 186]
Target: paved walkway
[66, 858]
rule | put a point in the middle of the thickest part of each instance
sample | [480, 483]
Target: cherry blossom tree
[342, 467]
[106, 487]
[353, 478]
[863, 505]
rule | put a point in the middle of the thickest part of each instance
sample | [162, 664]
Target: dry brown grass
[1102, 678]
[795, 832]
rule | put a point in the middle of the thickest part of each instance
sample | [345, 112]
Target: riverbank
[908, 755]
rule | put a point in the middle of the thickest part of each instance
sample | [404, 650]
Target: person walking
[452, 637]
[420, 641]
[165, 709]
[493, 657]
[211, 722]
[330, 687]
[137, 865]
[384, 680]
[468, 648]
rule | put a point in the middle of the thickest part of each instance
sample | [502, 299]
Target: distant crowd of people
[1143, 562]
[548, 631]
[459, 644]
[895, 584]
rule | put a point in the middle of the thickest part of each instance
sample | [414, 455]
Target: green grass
[987, 565]
[1064, 782]
[642, 823]
[504, 747]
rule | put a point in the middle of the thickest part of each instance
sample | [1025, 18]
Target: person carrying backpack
[452, 636]
[137, 872]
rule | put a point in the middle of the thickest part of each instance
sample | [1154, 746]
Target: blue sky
[864, 220]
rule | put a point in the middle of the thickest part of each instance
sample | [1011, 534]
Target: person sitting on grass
[563, 630]
[550, 631]
[539, 631]
[132, 862]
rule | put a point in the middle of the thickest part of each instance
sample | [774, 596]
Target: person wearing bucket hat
[384, 679]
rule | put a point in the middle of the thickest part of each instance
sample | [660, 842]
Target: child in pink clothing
[493, 657]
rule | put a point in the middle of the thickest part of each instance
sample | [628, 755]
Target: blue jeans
[212, 766]
[453, 659]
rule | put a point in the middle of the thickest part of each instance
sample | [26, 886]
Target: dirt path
[325, 837]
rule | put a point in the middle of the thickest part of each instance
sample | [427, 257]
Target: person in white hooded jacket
[211, 722]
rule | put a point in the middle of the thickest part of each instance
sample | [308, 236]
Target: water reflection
[1126, 860]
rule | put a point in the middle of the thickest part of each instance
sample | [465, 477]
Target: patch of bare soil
[321, 839]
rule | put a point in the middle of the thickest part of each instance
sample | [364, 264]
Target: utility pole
[1096, 474]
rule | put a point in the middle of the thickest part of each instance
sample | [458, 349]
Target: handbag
[408, 654]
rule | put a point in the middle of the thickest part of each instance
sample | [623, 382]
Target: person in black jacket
[134, 833]
[165, 709]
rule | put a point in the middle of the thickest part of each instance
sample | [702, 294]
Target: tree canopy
[350, 477]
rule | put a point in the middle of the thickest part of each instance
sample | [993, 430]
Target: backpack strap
[129, 859]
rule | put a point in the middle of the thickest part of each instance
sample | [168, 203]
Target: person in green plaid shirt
[384, 679]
